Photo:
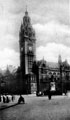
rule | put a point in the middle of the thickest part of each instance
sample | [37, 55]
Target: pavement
[10, 104]
[27, 98]
[15, 101]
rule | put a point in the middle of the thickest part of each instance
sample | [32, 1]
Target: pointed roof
[26, 28]
[59, 59]
[52, 65]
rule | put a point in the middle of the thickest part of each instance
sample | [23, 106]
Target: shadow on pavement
[5, 106]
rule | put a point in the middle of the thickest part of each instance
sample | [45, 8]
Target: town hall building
[37, 77]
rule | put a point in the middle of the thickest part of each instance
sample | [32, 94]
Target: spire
[43, 58]
[26, 12]
[59, 60]
[66, 62]
[26, 26]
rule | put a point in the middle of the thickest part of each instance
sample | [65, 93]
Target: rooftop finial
[59, 59]
[26, 13]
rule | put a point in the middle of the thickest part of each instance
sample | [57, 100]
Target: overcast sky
[51, 21]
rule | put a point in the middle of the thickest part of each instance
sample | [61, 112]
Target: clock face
[21, 49]
[30, 48]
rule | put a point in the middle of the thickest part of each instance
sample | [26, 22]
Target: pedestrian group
[7, 98]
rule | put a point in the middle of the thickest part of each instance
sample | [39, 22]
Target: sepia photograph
[34, 59]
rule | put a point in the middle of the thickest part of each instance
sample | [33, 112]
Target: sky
[51, 21]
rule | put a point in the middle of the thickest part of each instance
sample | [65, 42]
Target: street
[39, 108]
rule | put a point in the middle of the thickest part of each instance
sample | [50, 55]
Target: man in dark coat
[49, 92]
[4, 99]
[21, 99]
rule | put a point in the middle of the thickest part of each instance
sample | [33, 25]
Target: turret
[59, 60]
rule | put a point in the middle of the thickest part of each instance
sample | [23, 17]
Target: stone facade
[59, 74]
[27, 53]
[36, 76]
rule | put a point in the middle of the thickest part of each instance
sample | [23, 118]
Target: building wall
[47, 75]
[44, 73]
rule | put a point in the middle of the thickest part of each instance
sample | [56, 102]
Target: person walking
[49, 92]
[4, 99]
[49, 95]
[12, 98]
[7, 99]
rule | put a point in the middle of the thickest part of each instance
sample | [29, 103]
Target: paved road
[39, 108]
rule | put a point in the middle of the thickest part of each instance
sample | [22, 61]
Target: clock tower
[27, 44]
